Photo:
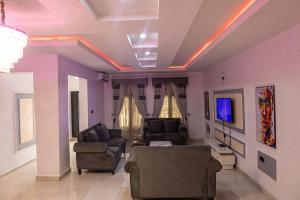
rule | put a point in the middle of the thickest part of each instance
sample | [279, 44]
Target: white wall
[12, 158]
[73, 85]
[194, 99]
[78, 84]
[275, 61]
[83, 104]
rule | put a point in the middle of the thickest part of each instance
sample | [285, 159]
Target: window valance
[140, 82]
[176, 80]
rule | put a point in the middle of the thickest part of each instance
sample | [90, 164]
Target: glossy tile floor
[21, 184]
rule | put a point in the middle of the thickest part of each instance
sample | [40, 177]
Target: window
[25, 120]
[170, 108]
[130, 119]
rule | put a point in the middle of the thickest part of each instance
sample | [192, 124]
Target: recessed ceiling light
[148, 64]
[147, 53]
[143, 40]
[143, 35]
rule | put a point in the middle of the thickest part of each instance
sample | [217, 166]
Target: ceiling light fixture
[143, 35]
[12, 42]
[147, 53]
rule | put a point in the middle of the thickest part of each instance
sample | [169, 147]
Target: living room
[160, 99]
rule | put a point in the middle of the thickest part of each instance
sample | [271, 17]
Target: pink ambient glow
[84, 41]
[242, 9]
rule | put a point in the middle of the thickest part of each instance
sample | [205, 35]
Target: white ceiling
[182, 26]
[116, 10]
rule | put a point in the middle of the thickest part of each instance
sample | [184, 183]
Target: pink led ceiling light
[12, 42]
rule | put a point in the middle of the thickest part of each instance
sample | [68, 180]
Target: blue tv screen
[224, 110]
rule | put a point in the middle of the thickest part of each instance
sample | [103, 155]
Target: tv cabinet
[223, 154]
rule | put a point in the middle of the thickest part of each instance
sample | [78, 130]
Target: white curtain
[132, 112]
[118, 99]
[159, 94]
[180, 96]
[138, 93]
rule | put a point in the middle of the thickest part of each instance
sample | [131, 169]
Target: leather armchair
[165, 129]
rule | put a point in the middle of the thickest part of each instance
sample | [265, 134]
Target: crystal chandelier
[12, 42]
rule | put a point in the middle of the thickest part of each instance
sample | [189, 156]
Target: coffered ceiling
[118, 36]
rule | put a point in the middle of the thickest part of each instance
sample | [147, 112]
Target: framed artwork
[206, 105]
[265, 115]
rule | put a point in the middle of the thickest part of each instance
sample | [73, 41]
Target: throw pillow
[99, 131]
[171, 125]
[91, 136]
[157, 126]
[105, 136]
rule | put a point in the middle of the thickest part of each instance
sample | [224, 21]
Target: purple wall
[275, 61]
[95, 101]
[95, 87]
[51, 107]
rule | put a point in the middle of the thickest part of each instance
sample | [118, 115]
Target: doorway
[77, 105]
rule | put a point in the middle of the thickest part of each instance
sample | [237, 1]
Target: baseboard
[256, 184]
[14, 169]
[53, 178]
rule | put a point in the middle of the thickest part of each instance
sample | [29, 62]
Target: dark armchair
[165, 129]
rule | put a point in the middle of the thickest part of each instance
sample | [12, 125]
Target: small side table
[137, 141]
[223, 154]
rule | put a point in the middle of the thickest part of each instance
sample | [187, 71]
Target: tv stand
[223, 154]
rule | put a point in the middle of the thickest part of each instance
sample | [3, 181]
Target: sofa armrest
[131, 167]
[146, 128]
[115, 133]
[213, 167]
[131, 163]
[90, 147]
[183, 131]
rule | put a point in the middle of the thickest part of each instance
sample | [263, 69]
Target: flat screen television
[224, 110]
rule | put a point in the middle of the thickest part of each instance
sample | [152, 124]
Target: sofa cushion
[91, 136]
[172, 136]
[117, 151]
[157, 126]
[156, 137]
[117, 142]
[171, 125]
[103, 133]
[106, 132]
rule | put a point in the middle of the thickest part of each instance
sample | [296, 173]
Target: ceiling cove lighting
[240, 11]
[86, 43]
[12, 42]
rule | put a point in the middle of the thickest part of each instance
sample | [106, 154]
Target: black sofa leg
[113, 172]
[79, 171]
